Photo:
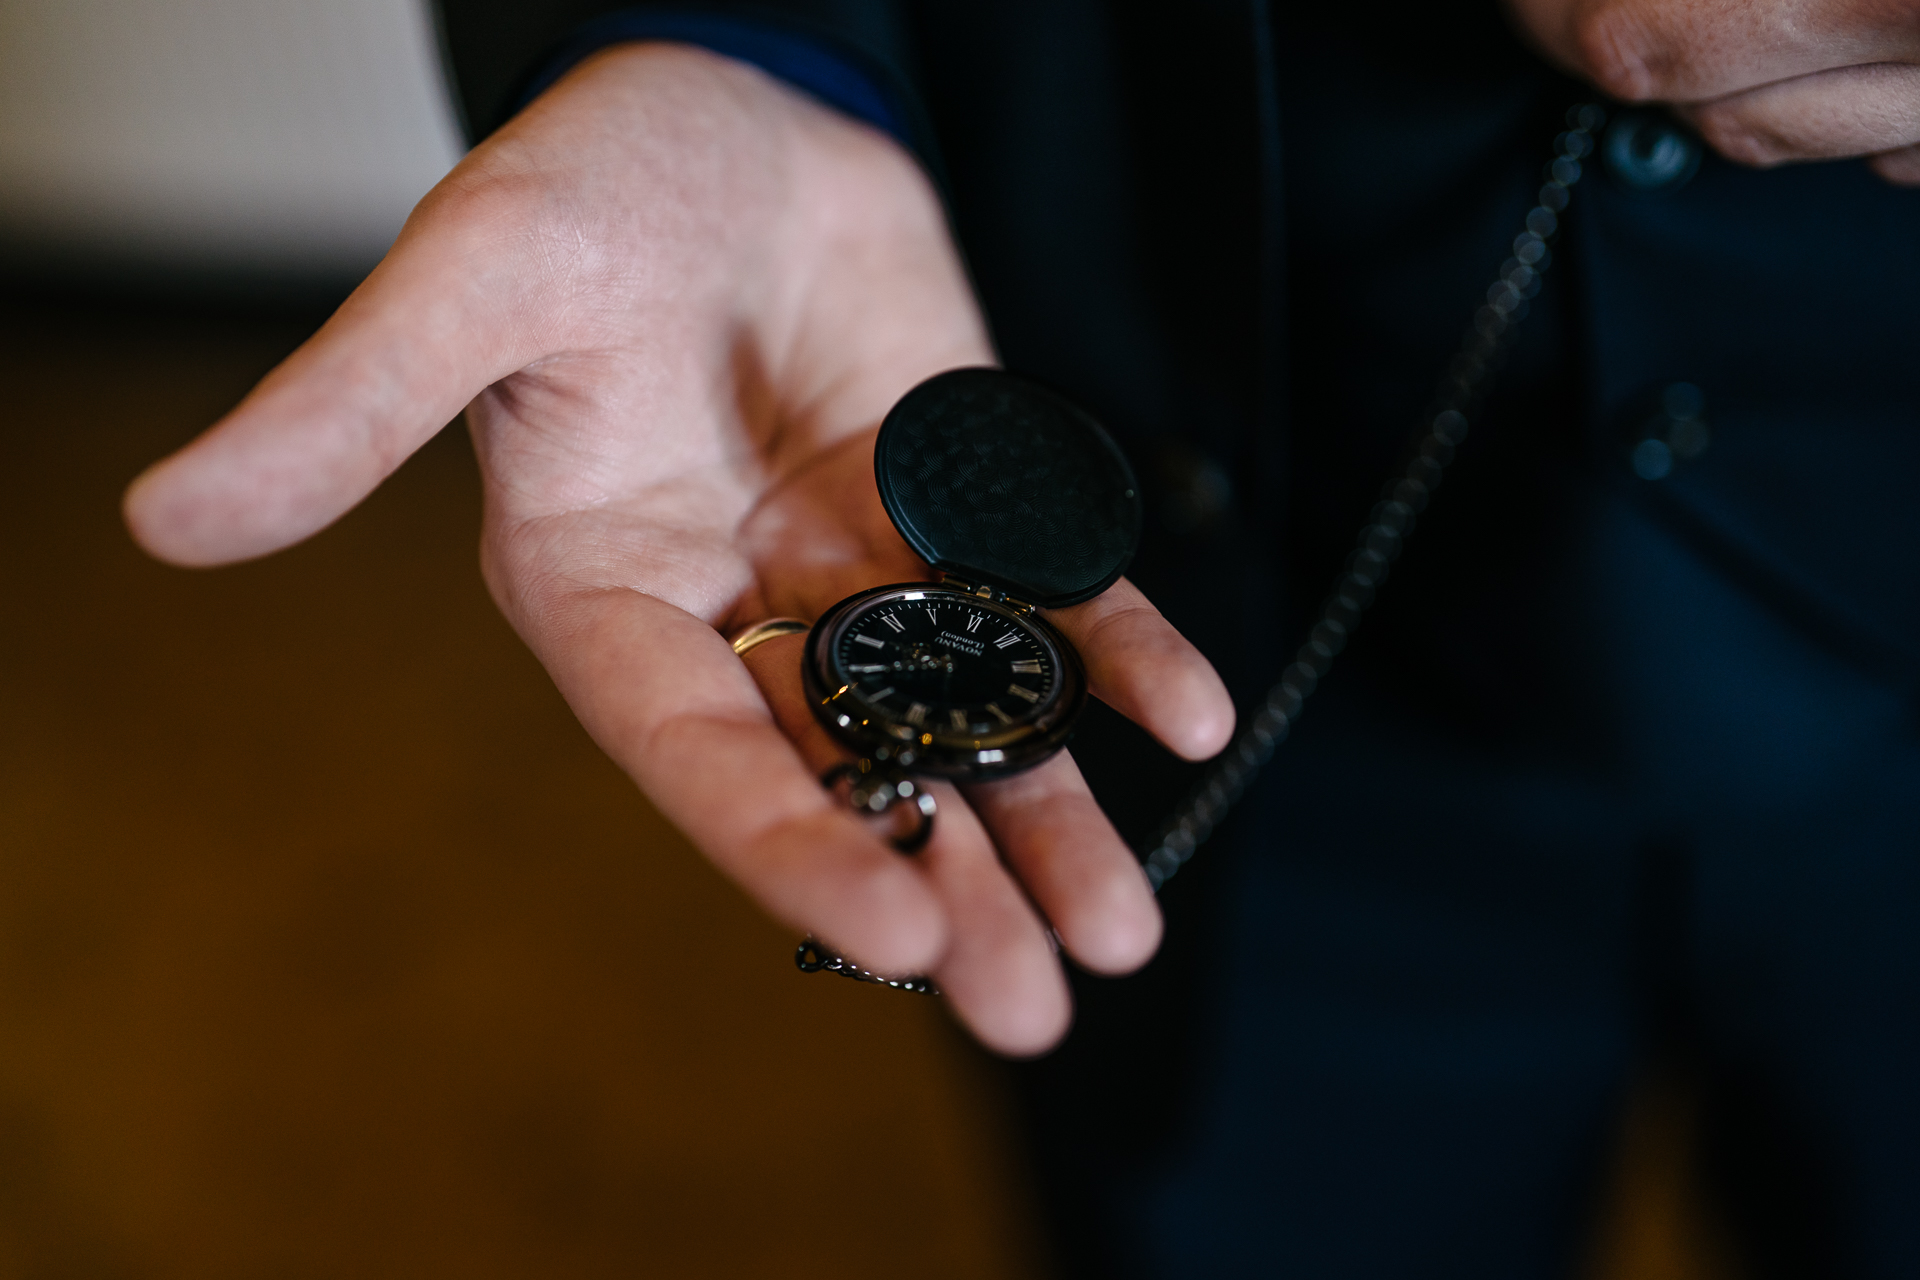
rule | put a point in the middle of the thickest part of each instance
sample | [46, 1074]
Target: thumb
[425, 333]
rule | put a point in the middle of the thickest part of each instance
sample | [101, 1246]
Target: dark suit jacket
[1141, 238]
[1252, 250]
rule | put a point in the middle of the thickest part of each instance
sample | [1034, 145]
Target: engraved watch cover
[1001, 482]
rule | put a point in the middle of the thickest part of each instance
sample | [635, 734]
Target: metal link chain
[1392, 519]
[811, 957]
[1461, 389]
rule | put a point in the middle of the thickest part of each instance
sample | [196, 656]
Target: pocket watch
[1386, 529]
[1023, 503]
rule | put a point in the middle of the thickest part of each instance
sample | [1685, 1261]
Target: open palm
[676, 299]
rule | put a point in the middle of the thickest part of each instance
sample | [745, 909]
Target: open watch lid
[1005, 484]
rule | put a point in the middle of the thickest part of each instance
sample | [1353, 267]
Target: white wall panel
[259, 135]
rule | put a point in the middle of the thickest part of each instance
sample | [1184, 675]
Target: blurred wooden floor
[330, 946]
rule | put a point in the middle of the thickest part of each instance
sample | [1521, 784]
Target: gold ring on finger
[770, 629]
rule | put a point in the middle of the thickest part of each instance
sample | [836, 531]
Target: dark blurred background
[329, 944]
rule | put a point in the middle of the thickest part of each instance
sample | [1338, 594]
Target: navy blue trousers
[1403, 1007]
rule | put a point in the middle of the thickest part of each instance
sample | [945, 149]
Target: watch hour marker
[958, 719]
[893, 622]
[1024, 667]
[999, 715]
[878, 644]
[917, 714]
[878, 694]
[973, 623]
[868, 668]
[1023, 692]
[934, 614]
[1012, 637]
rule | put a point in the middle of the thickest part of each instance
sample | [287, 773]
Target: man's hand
[680, 298]
[1765, 81]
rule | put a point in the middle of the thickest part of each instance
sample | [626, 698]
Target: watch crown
[984, 592]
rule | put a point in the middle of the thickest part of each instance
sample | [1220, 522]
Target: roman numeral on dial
[1024, 667]
[1023, 692]
[893, 622]
[998, 714]
[1012, 637]
[932, 613]
[917, 714]
[958, 719]
[878, 644]
[973, 623]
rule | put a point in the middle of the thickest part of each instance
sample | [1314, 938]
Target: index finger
[663, 694]
[1148, 672]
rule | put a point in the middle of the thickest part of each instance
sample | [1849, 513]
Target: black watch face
[964, 685]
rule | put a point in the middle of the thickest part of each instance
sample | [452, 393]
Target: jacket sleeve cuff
[807, 62]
